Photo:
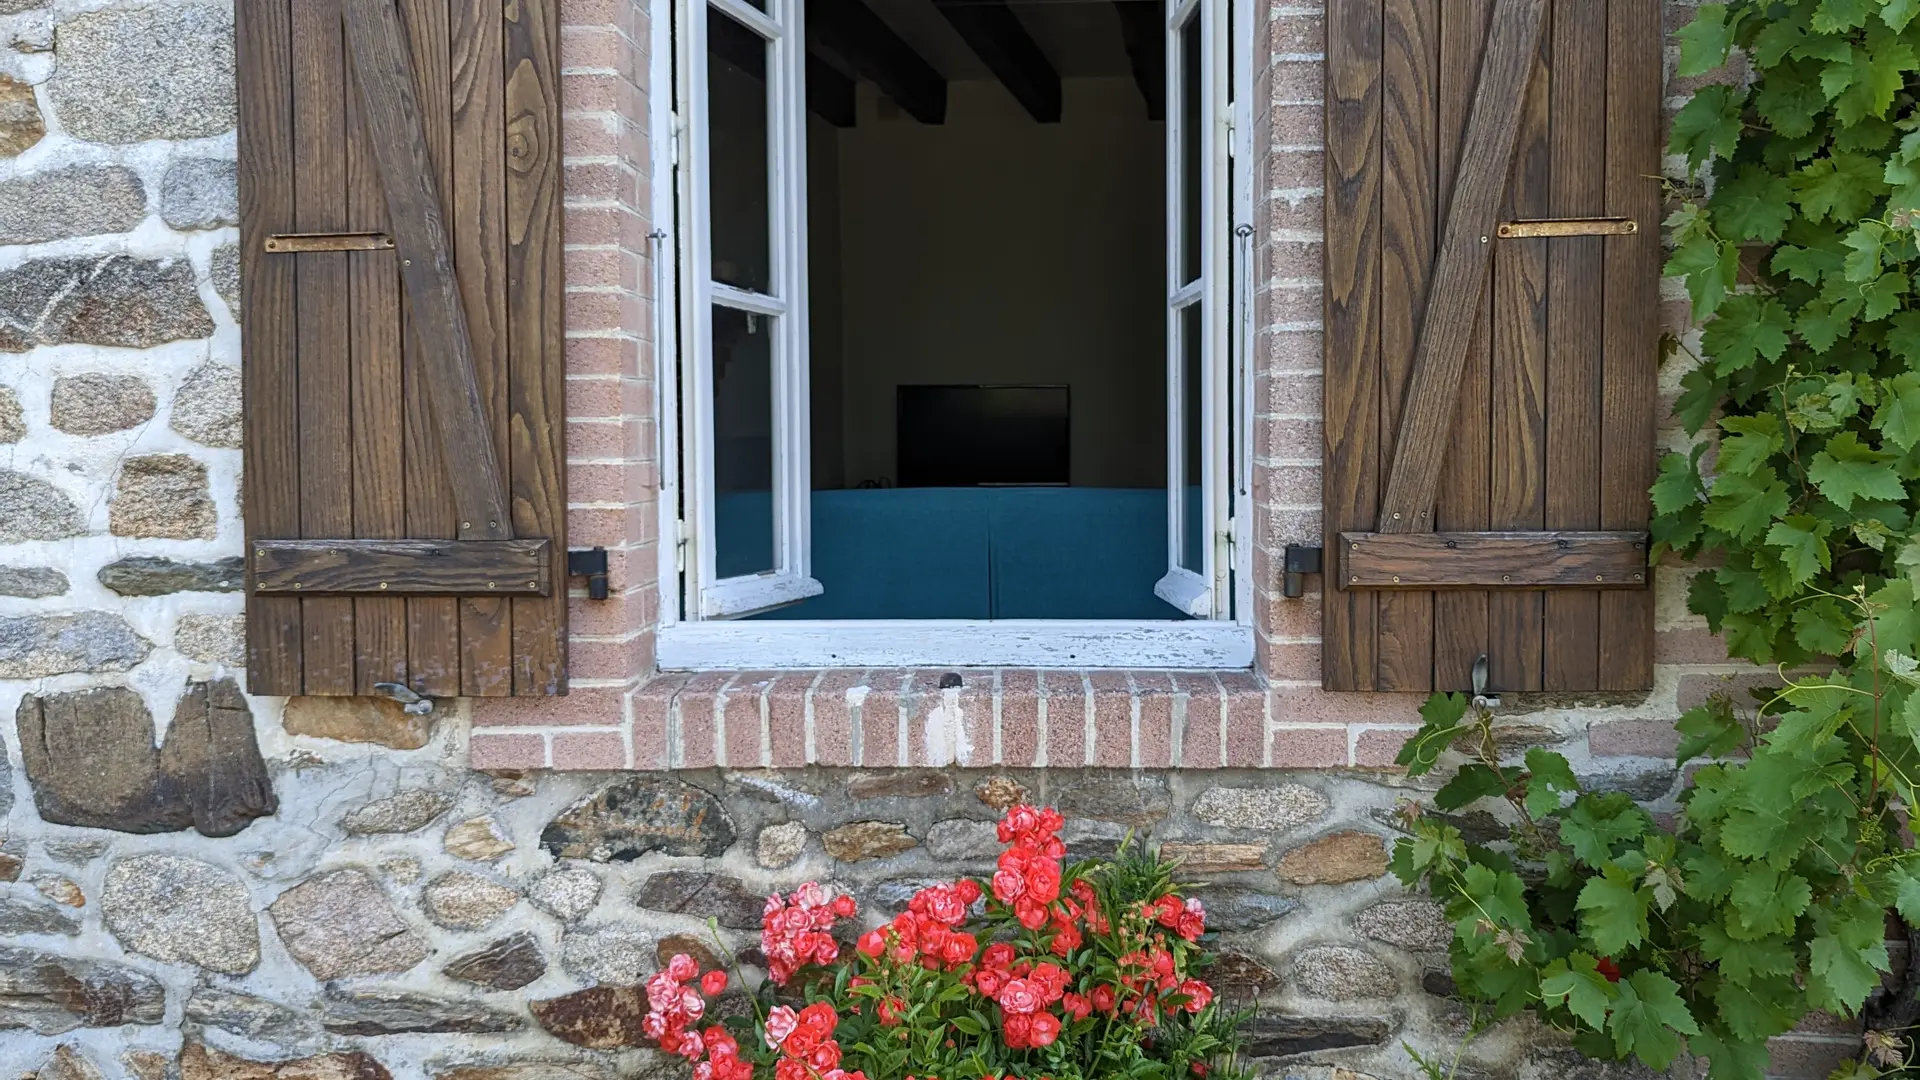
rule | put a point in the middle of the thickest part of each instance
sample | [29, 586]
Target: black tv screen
[974, 436]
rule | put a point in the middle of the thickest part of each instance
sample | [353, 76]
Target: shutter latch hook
[1480, 698]
[410, 702]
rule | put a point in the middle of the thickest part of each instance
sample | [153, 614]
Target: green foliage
[1808, 385]
[1764, 899]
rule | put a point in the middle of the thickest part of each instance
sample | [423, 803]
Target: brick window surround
[622, 714]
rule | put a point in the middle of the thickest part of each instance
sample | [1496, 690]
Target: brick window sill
[1014, 718]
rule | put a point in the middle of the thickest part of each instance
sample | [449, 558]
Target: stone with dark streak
[199, 1062]
[1137, 801]
[598, 1018]
[50, 994]
[1272, 1035]
[373, 1013]
[212, 759]
[691, 892]
[1232, 908]
[636, 814]
[507, 964]
[152, 575]
[1238, 976]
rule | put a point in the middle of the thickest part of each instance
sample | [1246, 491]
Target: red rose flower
[713, 982]
[1046, 1028]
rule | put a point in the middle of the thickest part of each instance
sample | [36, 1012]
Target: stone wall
[436, 920]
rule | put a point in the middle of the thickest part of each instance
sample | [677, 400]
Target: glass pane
[1192, 128]
[737, 154]
[742, 442]
[1193, 524]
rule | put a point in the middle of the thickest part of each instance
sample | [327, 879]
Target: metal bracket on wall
[590, 563]
[1301, 560]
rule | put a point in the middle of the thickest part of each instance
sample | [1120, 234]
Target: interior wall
[992, 249]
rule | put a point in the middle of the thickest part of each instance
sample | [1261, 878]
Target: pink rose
[781, 1023]
[1020, 996]
[1008, 885]
[682, 967]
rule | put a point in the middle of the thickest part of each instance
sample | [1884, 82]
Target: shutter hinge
[1301, 560]
[680, 546]
[679, 132]
[590, 563]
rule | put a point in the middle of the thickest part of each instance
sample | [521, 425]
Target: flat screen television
[980, 436]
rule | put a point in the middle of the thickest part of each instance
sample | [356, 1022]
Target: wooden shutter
[1492, 282]
[402, 328]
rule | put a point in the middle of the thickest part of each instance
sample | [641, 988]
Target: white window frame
[784, 306]
[695, 630]
[1203, 594]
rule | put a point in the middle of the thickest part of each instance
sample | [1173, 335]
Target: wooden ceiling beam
[995, 34]
[1143, 26]
[852, 31]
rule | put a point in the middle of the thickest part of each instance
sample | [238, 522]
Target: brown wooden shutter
[402, 326]
[1491, 342]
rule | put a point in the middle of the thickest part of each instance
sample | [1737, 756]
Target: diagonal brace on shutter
[1464, 265]
[377, 46]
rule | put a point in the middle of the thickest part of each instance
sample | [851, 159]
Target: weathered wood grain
[379, 413]
[324, 319]
[1632, 321]
[1351, 398]
[396, 132]
[1409, 221]
[536, 327]
[477, 215]
[1517, 495]
[433, 624]
[1461, 271]
[263, 38]
[1574, 358]
[1460, 630]
[404, 567]
[1495, 560]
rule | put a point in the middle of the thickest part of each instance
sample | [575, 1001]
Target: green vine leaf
[1613, 912]
[1649, 1018]
[1848, 469]
[1549, 777]
[1767, 902]
[1576, 982]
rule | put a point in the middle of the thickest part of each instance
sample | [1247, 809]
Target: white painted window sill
[718, 646]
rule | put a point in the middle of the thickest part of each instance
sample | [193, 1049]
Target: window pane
[737, 154]
[742, 442]
[1192, 518]
[1192, 128]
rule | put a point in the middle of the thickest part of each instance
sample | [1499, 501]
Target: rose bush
[1046, 970]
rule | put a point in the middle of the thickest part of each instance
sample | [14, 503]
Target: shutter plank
[263, 36]
[397, 131]
[1460, 618]
[536, 321]
[379, 412]
[1409, 220]
[1517, 499]
[433, 625]
[1351, 427]
[326, 459]
[478, 215]
[1575, 281]
[1460, 274]
[1632, 324]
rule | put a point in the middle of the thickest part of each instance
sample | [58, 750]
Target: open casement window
[1199, 246]
[744, 315]
[750, 100]
[1493, 260]
[402, 328]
